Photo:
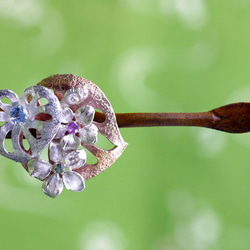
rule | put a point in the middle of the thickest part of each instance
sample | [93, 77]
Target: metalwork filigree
[22, 118]
[96, 99]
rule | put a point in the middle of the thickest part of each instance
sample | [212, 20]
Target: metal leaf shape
[109, 128]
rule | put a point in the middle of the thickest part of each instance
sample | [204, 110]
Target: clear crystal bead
[76, 95]
[76, 159]
[85, 115]
[70, 142]
[89, 134]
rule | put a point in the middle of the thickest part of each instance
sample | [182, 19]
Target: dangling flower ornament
[60, 173]
[66, 125]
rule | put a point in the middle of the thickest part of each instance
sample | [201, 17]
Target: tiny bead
[59, 168]
[18, 114]
[73, 128]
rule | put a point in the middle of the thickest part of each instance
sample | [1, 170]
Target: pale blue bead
[18, 114]
[59, 168]
[73, 181]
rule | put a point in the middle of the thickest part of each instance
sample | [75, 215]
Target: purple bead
[73, 128]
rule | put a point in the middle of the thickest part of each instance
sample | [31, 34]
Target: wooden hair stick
[232, 118]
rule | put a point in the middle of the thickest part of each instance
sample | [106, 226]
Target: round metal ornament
[82, 96]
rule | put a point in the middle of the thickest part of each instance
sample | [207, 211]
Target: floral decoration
[21, 117]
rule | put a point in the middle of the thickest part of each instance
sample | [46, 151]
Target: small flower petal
[70, 142]
[76, 95]
[76, 159]
[73, 181]
[67, 115]
[39, 169]
[55, 152]
[85, 115]
[88, 134]
[53, 185]
[61, 131]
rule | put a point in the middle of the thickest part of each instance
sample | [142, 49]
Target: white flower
[60, 173]
[76, 127]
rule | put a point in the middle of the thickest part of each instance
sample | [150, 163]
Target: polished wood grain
[232, 118]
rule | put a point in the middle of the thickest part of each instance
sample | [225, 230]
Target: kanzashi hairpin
[68, 124]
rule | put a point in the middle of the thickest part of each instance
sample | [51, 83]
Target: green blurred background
[173, 188]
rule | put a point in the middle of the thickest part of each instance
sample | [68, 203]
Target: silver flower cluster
[53, 124]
